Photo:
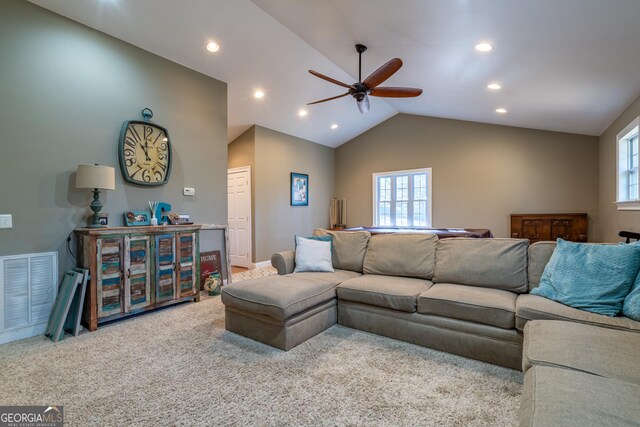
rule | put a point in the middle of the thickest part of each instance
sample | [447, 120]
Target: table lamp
[99, 178]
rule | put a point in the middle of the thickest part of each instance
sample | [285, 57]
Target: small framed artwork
[103, 218]
[135, 218]
[299, 189]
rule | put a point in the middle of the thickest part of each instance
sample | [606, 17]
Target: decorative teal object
[162, 212]
[144, 151]
[590, 277]
[213, 283]
[136, 218]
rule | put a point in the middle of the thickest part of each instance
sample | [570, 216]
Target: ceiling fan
[362, 89]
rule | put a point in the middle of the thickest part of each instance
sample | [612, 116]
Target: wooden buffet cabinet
[136, 269]
[537, 227]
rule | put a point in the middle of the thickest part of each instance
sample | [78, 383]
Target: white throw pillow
[313, 255]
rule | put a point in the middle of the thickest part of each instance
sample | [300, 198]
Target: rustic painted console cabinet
[135, 269]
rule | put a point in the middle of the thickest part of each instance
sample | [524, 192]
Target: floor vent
[28, 287]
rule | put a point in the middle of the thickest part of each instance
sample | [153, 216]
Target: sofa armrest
[284, 262]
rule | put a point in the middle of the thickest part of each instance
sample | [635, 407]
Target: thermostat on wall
[189, 191]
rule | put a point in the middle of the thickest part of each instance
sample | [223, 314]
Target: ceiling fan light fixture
[213, 46]
[494, 86]
[484, 47]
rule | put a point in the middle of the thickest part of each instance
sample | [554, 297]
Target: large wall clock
[144, 151]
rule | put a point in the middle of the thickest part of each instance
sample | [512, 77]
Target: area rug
[178, 366]
[255, 273]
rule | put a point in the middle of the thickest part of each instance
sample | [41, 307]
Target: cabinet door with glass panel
[402, 198]
[165, 267]
[186, 253]
[137, 283]
[109, 286]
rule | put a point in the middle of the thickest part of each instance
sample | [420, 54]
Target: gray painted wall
[612, 220]
[481, 172]
[273, 156]
[66, 90]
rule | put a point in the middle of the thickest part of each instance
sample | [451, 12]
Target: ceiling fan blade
[383, 73]
[396, 92]
[328, 99]
[329, 79]
[364, 105]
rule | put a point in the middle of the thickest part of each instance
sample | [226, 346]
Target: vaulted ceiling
[564, 65]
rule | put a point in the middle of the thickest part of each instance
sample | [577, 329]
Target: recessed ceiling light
[258, 94]
[494, 86]
[302, 113]
[501, 110]
[213, 47]
[334, 126]
[483, 47]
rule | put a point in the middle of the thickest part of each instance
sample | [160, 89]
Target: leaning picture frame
[136, 218]
[299, 189]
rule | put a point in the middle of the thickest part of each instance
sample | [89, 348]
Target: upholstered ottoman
[280, 311]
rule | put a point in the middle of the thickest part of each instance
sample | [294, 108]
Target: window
[627, 170]
[402, 198]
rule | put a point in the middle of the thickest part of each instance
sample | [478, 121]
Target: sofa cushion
[590, 277]
[586, 348]
[338, 276]
[313, 254]
[349, 247]
[563, 397]
[278, 297]
[532, 307]
[409, 255]
[490, 263]
[493, 307]
[631, 305]
[539, 254]
[397, 293]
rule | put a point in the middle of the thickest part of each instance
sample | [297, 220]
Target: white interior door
[239, 217]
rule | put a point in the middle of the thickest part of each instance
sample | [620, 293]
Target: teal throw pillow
[590, 277]
[313, 255]
[631, 305]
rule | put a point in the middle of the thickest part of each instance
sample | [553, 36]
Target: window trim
[376, 175]
[622, 166]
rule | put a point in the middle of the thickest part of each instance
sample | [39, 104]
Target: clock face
[145, 153]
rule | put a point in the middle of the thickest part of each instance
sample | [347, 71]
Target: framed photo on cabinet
[299, 189]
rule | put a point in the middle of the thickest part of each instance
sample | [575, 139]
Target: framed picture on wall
[299, 189]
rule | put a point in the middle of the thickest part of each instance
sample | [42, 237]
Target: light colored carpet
[179, 366]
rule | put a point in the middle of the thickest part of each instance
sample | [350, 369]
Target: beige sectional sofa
[461, 295]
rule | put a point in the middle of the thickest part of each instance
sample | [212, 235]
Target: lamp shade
[96, 176]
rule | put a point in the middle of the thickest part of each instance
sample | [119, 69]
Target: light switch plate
[6, 221]
[189, 191]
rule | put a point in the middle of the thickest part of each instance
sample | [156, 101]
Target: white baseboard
[262, 264]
